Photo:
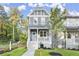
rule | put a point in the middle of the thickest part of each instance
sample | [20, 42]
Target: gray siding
[39, 24]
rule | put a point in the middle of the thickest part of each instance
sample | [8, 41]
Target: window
[35, 21]
[69, 35]
[44, 12]
[43, 21]
[76, 35]
[39, 13]
[43, 33]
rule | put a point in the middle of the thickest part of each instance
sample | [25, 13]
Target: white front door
[33, 36]
[33, 40]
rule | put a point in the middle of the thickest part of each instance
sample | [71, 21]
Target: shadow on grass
[55, 54]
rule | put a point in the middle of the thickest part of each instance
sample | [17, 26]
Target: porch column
[37, 38]
[50, 38]
[65, 38]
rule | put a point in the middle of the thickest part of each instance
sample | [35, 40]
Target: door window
[33, 33]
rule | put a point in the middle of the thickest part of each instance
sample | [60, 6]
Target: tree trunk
[10, 45]
[13, 31]
[55, 40]
[65, 36]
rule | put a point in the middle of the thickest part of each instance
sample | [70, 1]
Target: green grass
[15, 52]
[42, 52]
[64, 52]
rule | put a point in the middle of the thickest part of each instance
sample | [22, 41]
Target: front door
[33, 36]
[33, 39]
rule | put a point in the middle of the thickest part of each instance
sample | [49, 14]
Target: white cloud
[41, 4]
[64, 4]
[32, 4]
[61, 6]
[37, 4]
[47, 5]
[7, 9]
[53, 5]
[22, 7]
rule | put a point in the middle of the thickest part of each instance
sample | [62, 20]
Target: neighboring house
[72, 34]
[40, 35]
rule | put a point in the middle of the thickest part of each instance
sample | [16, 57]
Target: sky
[25, 8]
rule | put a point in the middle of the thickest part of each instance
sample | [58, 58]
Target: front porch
[39, 38]
[72, 39]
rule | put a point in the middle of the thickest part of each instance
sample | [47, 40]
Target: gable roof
[38, 8]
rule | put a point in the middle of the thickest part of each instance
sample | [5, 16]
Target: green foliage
[9, 29]
[23, 38]
[57, 18]
[41, 52]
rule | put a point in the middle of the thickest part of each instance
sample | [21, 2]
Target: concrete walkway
[29, 52]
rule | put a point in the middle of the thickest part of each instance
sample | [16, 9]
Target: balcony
[39, 25]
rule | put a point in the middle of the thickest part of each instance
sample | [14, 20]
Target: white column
[66, 40]
[50, 37]
[37, 39]
[28, 38]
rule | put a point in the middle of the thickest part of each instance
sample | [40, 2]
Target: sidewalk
[29, 52]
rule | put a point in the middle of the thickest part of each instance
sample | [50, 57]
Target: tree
[3, 20]
[14, 17]
[57, 18]
[24, 29]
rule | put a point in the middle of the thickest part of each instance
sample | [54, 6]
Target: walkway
[29, 52]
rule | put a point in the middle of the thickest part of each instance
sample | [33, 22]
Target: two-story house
[38, 29]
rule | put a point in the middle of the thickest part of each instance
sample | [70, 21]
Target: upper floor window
[43, 21]
[35, 21]
[68, 35]
[44, 12]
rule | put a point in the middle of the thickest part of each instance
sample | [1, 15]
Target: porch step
[32, 45]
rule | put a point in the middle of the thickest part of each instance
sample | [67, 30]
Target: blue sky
[25, 8]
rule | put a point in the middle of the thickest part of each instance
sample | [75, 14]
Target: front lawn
[63, 52]
[15, 52]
